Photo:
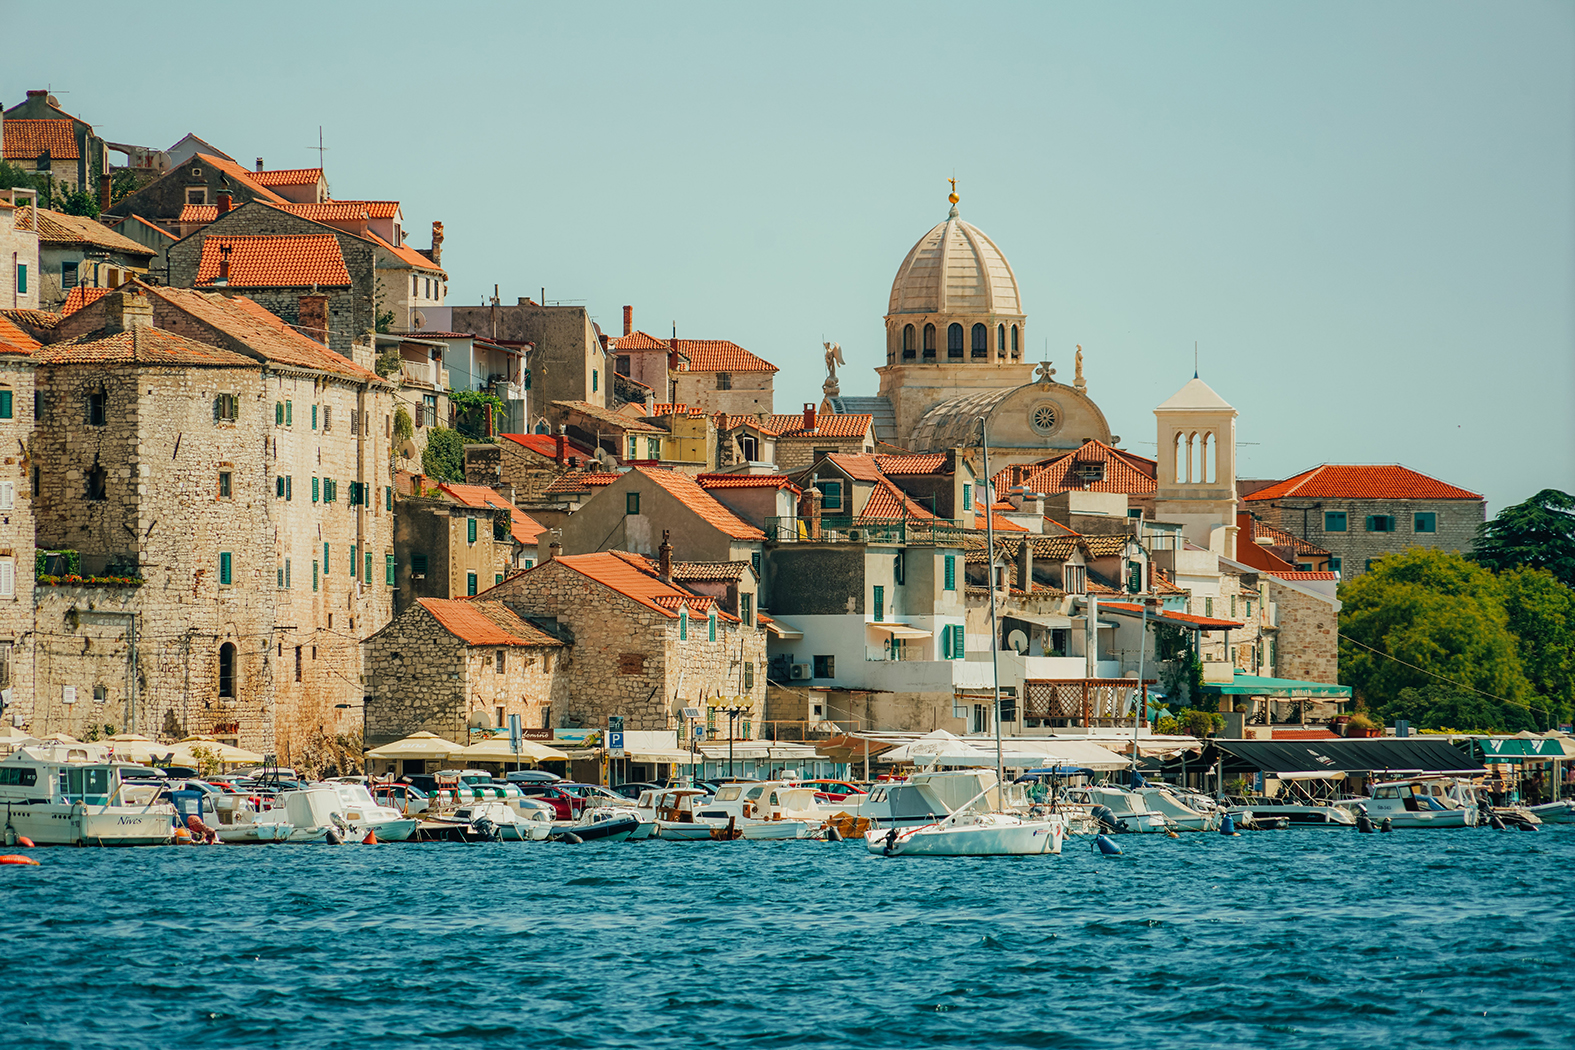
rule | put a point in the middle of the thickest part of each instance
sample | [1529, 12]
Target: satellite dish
[419, 321]
[1018, 641]
[408, 449]
[480, 720]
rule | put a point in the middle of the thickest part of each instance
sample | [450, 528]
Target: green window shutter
[6, 397]
[879, 604]
[278, 486]
[683, 625]
[314, 574]
[226, 569]
[1334, 521]
[326, 562]
[316, 485]
[388, 497]
[746, 608]
[21, 278]
[287, 574]
[388, 569]
[497, 578]
[288, 487]
[278, 413]
[595, 380]
[314, 417]
[951, 572]
[352, 561]
[280, 570]
[946, 642]
[470, 530]
[1426, 522]
[470, 583]
[959, 642]
[289, 413]
[967, 501]
[711, 626]
[368, 576]
[418, 564]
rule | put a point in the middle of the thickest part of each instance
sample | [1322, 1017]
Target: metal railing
[938, 533]
[1082, 701]
[906, 653]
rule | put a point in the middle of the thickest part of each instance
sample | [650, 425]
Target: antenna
[1194, 359]
[320, 148]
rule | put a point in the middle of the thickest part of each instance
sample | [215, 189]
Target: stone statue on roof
[831, 388]
[1078, 382]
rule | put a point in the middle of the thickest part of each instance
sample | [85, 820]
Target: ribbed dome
[955, 268]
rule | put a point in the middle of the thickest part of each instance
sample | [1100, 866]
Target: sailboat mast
[995, 631]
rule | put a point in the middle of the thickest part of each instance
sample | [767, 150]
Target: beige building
[16, 521]
[644, 503]
[19, 265]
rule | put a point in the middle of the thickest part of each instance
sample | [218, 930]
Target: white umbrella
[223, 753]
[499, 749]
[927, 747]
[417, 745]
[134, 747]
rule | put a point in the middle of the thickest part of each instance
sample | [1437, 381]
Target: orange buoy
[17, 858]
[371, 837]
[23, 840]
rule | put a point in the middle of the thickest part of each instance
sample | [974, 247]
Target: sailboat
[970, 830]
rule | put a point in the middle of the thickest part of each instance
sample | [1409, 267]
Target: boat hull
[77, 825]
[678, 831]
[617, 829]
[390, 830]
[999, 838]
[1300, 816]
[1562, 812]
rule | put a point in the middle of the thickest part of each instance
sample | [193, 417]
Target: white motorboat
[1177, 812]
[365, 815]
[924, 798]
[313, 813]
[971, 835]
[1122, 809]
[498, 821]
[644, 825]
[1560, 812]
[672, 811]
[1420, 802]
[763, 810]
[71, 795]
[1295, 814]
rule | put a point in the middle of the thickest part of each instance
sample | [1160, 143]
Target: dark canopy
[1387, 754]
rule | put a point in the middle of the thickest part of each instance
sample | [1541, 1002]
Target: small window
[226, 408]
[683, 625]
[6, 409]
[326, 562]
[227, 670]
[909, 343]
[878, 603]
[499, 663]
[1208, 607]
[967, 504]
[899, 568]
[314, 417]
[68, 275]
[1000, 341]
[196, 194]
[470, 532]
[954, 342]
[929, 342]
[278, 413]
[1380, 523]
[631, 503]
[724, 381]
[328, 417]
[367, 575]
[497, 578]
[1334, 521]
[951, 572]
[832, 493]
[225, 482]
[653, 448]
[749, 674]
[1427, 522]
[388, 570]
[316, 569]
[470, 583]
[596, 380]
[21, 278]
[226, 569]
[388, 497]
[352, 561]
[825, 667]
[316, 489]
[746, 609]
[289, 413]
[7, 578]
[634, 448]
[298, 663]
[278, 486]
[1334, 564]
[980, 341]
[100, 693]
[711, 627]
[418, 566]
[97, 408]
[1014, 340]
[97, 483]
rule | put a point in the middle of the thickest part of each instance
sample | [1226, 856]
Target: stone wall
[1457, 522]
[748, 393]
[1307, 646]
[18, 248]
[415, 680]
[16, 536]
[793, 454]
[567, 352]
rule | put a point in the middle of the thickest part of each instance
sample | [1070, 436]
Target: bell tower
[1197, 466]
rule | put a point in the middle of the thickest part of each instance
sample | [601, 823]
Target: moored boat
[1420, 802]
[71, 795]
[971, 835]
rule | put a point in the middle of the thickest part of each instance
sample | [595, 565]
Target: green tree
[1423, 617]
[444, 456]
[12, 176]
[1443, 706]
[1539, 533]
[1542, 618]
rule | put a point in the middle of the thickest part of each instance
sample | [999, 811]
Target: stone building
[644, 503]
[718, 375]
[569, 362]
[74, 251]
[458, 540]
[1361, 513]
[41, 137]
[16, 521]
[644, 646]
[199, 180]
[801, 439]
[19, 269]
[441, 662]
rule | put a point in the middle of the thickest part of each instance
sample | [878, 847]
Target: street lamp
[732, 714]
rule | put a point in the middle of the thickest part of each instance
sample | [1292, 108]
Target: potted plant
[1360, 725]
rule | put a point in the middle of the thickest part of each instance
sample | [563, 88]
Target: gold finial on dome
[953, 195]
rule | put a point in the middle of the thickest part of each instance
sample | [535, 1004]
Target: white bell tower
[1197, 466]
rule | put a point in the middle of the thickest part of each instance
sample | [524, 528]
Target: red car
[832, 790]
[566, 804]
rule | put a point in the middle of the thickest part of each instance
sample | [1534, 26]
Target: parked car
[531, 776]
[832, 790]
[565, 803]
[633, 788]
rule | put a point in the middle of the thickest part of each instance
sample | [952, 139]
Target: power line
[1434, 674]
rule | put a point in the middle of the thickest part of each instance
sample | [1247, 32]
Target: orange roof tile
[1132, 475]
[1285, 574]
[720, 355]
[269, 261]
[857, 467]
[928, 463]
[546, 445]
[667, 409]
[239, 174]
[16, 337]
[39, 319]
[614, 570]
[1251, 529]
[375, 209]
[286, 176]
[603, 415]
[81, 296]
[523, 528]
[1180, 619]
[640, 341]
[29, 139]
[142, 345]
[327, 211]
[484, 622]
[997, 522]
[1361, 482]
[888, 503]
[407, 255]
[729, 422]
[139, 220]
[56, 227]
[198, 213]
[580, 481]
[746, 481]
[827, 425]
[685, 489]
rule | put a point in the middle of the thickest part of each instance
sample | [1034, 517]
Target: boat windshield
[729, 792]
[89, 784]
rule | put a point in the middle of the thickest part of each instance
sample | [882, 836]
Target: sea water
[1316, 938]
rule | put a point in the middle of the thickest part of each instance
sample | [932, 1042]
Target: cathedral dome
[955, 269]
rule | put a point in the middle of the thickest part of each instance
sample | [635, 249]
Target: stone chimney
[560, 453]
[628, 319]
[809, 510]
[664, 559]
[809, 419]
[226, 202]
[224, 266]
[436, 255]
[312, 317]
[127, 310]
[104, 183]
[259, 164]
[549, 545]
[1025, 566]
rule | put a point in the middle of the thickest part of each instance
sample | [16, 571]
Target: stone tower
[1197, 466]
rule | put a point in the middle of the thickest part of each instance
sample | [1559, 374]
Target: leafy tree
[444, 456]
[12, 176]
[75, 202]
[388, 362]
[1542, 618]
[1424, 616]
[1443, 706]
[403, 428]
[1539, 533]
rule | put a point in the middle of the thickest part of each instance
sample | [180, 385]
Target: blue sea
[1303, 938]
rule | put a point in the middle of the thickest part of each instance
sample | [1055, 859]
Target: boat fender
[1227, 825]
[1387, 826]
[571, 838]
[833, 835]
[332, 838]
[1364, 824]
[1107, 845]
[371, 837]
[1495, 822]
[17, 858]
[1171, 833]
[23, 840]
[891, 841]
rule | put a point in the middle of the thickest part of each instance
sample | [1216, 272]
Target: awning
[899, 630]
[1312, 774]
[668, 756]
[1378, 754]
[1518, 749]
[1279, 688]
[1059, 623]
[783, 630]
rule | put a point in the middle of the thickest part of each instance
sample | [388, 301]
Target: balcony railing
[1082, 701]
[937, 533]
[905, 653]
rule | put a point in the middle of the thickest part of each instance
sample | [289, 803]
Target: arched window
[227, 670]
[1176, 460]
[910, 343]
[981, 341]
[954, 341]
[1203, 457]
[683, 625]
[1000, 340]
[929, 342]
[1014, 340]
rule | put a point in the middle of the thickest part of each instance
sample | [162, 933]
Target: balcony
[902, 653]
[1086, 702]
[940, 532]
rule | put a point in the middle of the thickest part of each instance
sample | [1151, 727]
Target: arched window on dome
[980, 337]
[929, 342]
[1000, 341]
[954, 341]
[1014, 340]
[910, 343]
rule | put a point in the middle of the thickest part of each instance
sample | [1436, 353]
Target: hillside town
[266, 482]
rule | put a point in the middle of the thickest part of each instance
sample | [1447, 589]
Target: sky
[1362, 215]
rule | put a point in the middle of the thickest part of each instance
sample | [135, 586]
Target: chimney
[809, 419]
[664, 559]
[127, 310]
[312, 317]
[436, 254]
[809, 510]
[628, 319]
[259, 164]
[418, 483]
[224, 266]
[104, 183]
[226, 202]
[561, 447]
[1025, 566]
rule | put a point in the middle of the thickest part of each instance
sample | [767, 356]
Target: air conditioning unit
[799, 673]
[418, 576]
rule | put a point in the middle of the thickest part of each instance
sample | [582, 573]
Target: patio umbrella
[416, 745]
[499, 749]
[225, 754]
[134, 747]
[61, 738]
[927, 746]
[11, 734]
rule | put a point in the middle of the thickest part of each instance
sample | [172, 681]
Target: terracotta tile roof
[407, 255]
[684, 488]
[1055, 528]
[327, 211]
[198, 213]
[1361, 482]
[258, 330]
[1125, 473]
[16, 337]
[81, 296]
[609, 417]
[1294, 576]
[1257, 557]
[239, 174]
[270, 261]
[28, 139]
[714, 571]
[997, 522]
[1054, 548]
[286, 176]
[640, 341]
[142, 345]
[857, 467]
[928, 463]
[39, 320]
[580, 481]
[730, 422]
[1178, 618]
[1105, 546]
[140, 221]
[698, 604]
[1159, 583]
[1252, 528]
[747, 481]
[477, 622]
[522, 527]
[546, 445]
[888, 503]
[826, 426]
[620, 572]
[375, 209]
[59, 228]
[720, 355]
[669, 409]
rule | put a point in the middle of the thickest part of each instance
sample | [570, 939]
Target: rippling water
[1282, 939]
